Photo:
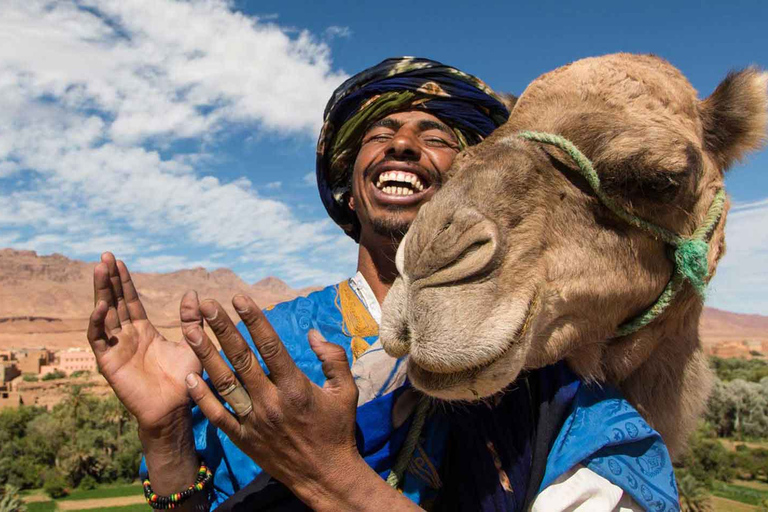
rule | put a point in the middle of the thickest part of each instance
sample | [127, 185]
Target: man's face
[401, 163]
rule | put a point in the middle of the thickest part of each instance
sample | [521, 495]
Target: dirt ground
[100, 503]
[726, 505]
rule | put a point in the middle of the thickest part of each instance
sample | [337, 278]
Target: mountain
[717, 326]
[46, 301]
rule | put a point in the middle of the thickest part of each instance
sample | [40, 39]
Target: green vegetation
[81, 437]
[739, 493]
[56, 374]
[54, 484]
[29, 377]
[41, 506]
[732, 369]
[730, 441]
[127, 508]
[107, 491]
[10, 501]
[80, 373]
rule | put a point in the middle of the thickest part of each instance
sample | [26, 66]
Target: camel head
[516, 263]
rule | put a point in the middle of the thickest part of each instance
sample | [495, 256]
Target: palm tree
[693, 495]
[74, 402]
[10, 500]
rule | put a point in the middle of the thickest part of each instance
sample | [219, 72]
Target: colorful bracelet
[204, 478]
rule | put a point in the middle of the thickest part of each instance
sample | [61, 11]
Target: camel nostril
[463, 251]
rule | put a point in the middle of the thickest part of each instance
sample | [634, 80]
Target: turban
[463, 102]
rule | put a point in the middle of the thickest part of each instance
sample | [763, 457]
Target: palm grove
[87, 440]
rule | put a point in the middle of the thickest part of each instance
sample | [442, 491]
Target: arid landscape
[46, 300]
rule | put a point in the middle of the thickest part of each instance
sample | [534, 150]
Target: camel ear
[735, 116]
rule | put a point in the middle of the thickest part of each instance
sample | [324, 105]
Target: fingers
[334, 361]
[117, 287]
[282, 368]
[211, 407]
[238, 352]
[132, 301]
[97, 336]
[102, 291]
[189, 312]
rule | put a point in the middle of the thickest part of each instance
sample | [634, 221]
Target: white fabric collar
[366, 296]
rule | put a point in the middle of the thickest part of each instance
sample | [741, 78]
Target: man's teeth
[397, 191]
[412, 181]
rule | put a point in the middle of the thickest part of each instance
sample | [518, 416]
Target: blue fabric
[607, 435]
[602, 431]
[292, 321]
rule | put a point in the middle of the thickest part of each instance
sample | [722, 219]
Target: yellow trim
[357, 321]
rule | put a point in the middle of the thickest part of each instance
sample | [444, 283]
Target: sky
[182, 134]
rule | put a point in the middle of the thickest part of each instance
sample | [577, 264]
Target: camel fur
[515, 264]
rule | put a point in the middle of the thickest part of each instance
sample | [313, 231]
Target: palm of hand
[148, 375]
[146, 370]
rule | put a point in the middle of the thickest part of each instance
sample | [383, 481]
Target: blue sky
[182, 134]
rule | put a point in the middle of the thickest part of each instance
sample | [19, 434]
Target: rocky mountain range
[46, 300]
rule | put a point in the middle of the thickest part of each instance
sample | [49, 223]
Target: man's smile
[400, 183]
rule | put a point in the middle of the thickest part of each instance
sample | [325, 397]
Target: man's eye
[378, 137]
[439, 142]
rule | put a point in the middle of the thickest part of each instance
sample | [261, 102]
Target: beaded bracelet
[204, 477]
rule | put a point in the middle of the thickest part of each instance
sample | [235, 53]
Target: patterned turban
[468, 106]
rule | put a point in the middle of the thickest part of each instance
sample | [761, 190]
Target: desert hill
[46, 300]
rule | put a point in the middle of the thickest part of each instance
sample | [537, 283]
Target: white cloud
[310, 179]
[89, 89]
[741, 280]
[274, 185]
[337, 31]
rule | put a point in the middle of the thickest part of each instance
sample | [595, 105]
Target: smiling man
[389, 137]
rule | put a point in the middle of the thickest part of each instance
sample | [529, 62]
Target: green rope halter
[690, 252]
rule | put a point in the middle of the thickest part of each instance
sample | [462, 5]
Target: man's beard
[391, 226]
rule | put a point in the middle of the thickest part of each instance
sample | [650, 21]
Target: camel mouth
[463, 385]
[479, 380]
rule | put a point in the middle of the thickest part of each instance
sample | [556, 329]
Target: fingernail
[210, 311]
[191, 380]
[195, 336]
[240, 303]
[316, 337]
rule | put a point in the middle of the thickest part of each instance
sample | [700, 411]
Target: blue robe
[481, 457]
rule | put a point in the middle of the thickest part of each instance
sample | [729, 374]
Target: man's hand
[298, 432]
[147, 373]
[146, 370]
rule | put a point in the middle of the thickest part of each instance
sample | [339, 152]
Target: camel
[516, 263]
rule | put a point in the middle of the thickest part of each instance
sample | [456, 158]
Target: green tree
[55, 486]
[10, 501]
[56, 374]
[693, 495]
[707, 460]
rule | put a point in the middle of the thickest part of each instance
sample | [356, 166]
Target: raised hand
[145, 370]
[298, 432]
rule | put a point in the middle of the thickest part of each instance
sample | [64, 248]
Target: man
[389, 138]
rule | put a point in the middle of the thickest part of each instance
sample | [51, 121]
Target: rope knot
[691, 260]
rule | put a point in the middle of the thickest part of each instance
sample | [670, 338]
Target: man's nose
[404, 145]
